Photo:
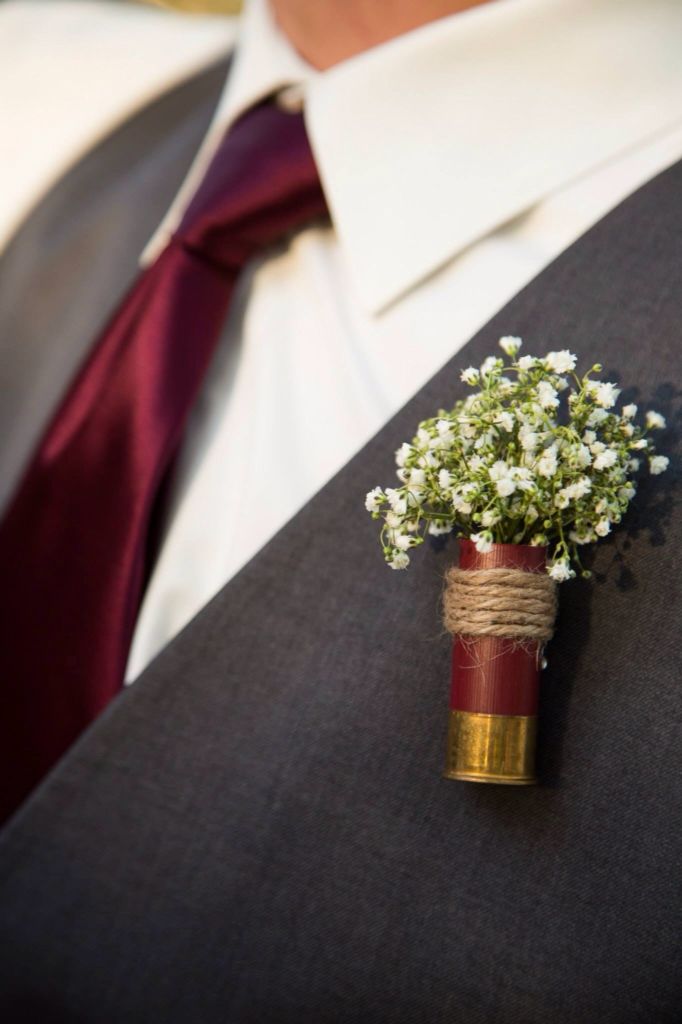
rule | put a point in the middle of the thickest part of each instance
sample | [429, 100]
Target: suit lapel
[265, 805]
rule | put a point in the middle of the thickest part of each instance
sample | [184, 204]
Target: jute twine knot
[500, 602]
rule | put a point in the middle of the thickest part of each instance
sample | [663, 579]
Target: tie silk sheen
[73, 545]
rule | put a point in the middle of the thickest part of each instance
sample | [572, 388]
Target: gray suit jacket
[258, 831]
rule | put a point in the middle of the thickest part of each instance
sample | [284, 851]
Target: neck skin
[326, 32]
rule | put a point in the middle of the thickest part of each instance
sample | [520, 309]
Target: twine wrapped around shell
[500, 602]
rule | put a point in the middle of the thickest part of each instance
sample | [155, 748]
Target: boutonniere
[533, 465]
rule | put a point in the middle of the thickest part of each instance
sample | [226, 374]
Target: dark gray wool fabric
[258, 832]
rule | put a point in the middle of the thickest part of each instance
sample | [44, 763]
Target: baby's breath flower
[490, 518]
[470, 375]
[528, 438]
[561, 570]
[597, 417]
[604, 393]
[603, 527]
[605, 458]
[397, 502]
[399, 561]
[531, 460]
[510, 344]
[437, 528]
[547, 395]
[402, 454]
[658, 464]
[654, 420]
[483, 541]
[547, 463]
[560, 362]
[505, 420]
[588, 537]
[490, 365]
[374, 499]
[460, 504]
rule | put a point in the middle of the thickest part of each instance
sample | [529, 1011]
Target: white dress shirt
[458, 161]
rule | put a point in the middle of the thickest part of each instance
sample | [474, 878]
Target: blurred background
[72, 70]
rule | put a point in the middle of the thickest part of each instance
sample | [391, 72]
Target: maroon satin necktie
[74, 542]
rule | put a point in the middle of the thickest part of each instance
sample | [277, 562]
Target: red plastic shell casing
[495, 675]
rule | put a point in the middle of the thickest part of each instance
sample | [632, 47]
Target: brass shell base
[491, 748]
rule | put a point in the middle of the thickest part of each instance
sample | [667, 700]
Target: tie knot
[261, 184]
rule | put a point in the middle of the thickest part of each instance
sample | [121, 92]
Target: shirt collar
[431, 141]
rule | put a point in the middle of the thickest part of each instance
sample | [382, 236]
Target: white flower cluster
[536, 455]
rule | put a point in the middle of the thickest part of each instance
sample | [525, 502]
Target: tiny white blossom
[582, 456]
[560, 362]
[538, 540]
[483, 541]
[402, 453]
[490, 518]
[641, 444]
[606, 459]
[476, 463]
[488, 365]
[437, 529]
[603, 527]
[402, 541]
[400, 560]
[417, 477]
[393, 520]
[580, 488]
[654, 420]
[470, 375]
[444, 479]
[589, 437]
[547, 396]
[561, 570]
[605, 394]
[397, 502]
[596, 417]
[629, 411]
[633, 465]
[510, 344]
[374, 499]
[506, 421]
[527, 362]
[528, 438]
[505, 487]
[524, 483]
[460, 504]
[467, 426]
[588, 537]
[506, 386]
[547, 463]
[499, 470]
[658, 464]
